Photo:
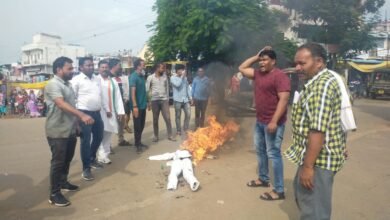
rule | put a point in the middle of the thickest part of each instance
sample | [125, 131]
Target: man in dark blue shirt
[200, 95]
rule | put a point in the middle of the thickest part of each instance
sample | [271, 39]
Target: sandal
[253, 183]
[172, 138]
[268, 197]
[124, 143]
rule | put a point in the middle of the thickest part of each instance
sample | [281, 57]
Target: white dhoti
[104, 149]
[112, 103]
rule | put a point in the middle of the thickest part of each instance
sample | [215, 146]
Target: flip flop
[267, 196]
[253, 183]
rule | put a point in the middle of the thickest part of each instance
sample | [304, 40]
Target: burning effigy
[197, 146]
[180, 164]
[206, 140]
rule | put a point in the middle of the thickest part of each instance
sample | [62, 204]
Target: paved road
[130, 188]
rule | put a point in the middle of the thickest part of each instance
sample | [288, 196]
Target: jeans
[316, 203]
[62, 151]
[187, 115]
[200, 112]
[139, 125]
[89, 149]
[163, 107]
[267, 147]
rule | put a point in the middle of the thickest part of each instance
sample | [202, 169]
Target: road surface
[134, 188]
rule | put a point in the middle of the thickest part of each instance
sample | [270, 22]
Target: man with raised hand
[271, 91]
[182, 99]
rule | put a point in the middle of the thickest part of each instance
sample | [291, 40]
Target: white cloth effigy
[181, 163]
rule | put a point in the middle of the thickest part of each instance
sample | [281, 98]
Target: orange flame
[208, 139]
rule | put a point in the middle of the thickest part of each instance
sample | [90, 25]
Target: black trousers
[62, 151]
[139, 125]
[200, 112]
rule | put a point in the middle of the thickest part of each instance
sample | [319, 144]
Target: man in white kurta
[112, 109]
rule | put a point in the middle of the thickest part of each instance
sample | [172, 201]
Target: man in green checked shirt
[318, 139]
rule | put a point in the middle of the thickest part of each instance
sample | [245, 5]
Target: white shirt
[88, 92]
[125, 87]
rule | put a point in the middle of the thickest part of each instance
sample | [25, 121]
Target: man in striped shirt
[318, 139]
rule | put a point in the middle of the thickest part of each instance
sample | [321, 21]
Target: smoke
[245, 43]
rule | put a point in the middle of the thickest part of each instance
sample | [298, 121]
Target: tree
[213, 30]
[341, 23]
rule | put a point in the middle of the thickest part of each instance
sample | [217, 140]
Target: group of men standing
[99, 102]
[318, 125]
[95, 107]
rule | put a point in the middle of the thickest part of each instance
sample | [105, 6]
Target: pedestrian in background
[3, 104]
[126, 99]
[138, 102]
[116, 73]
[32, 104]
[200, 94]
[157, 87]
[182, 99]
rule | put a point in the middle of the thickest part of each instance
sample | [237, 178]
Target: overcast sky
[98, 25]
[117, 24]
[385, 8]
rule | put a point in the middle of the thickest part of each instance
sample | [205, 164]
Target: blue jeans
[88, 149]
[267, 147]
[187, 115]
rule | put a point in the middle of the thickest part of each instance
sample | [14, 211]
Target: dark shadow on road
[288, 205]
[24, 197]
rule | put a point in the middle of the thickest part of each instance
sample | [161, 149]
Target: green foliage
[212, 30]
[339, 22]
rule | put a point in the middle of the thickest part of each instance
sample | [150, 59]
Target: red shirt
[266, 88]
